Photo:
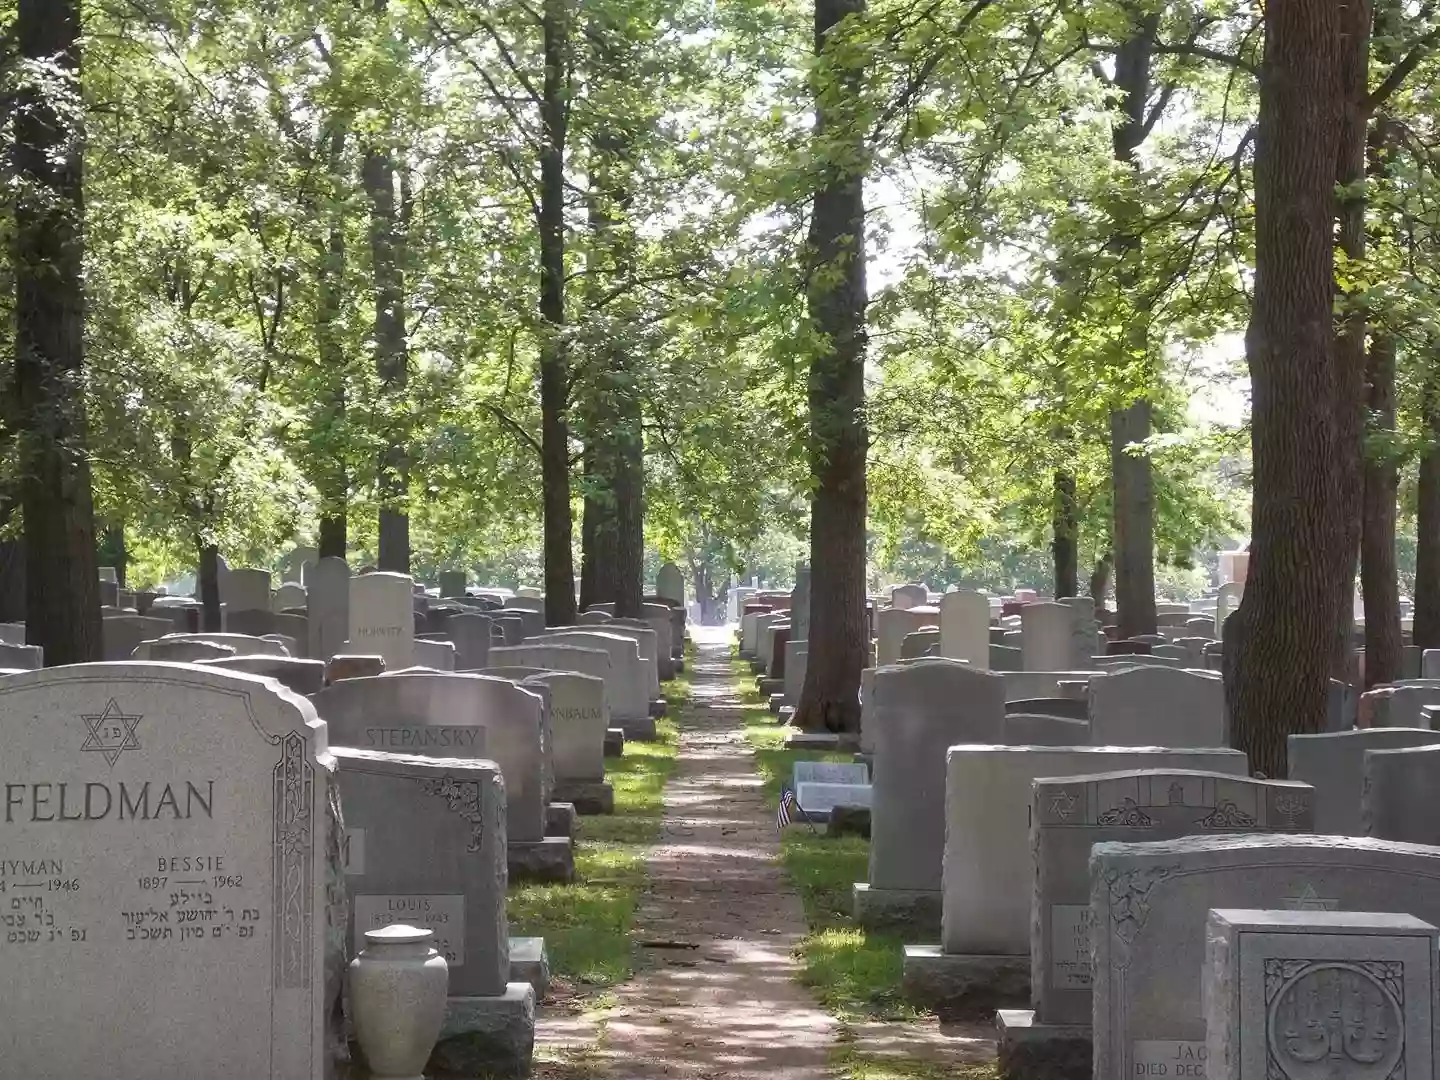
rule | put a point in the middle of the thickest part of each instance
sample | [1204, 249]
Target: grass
[852, 1064]
[854, 973]
[587, 925]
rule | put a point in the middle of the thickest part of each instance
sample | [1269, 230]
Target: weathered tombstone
[1040, 729]
[426, 845]
[891, 626]
[471, 632]
[1400, 799]
[670, 583]
[444, 715]
[1397, 706]
[985, 933]
[243, 644]
[109, 593]
[205, 880]
[353, 666]
[965, 628]
[121, 635]
[290, 595]
[302, 676]
[627, 684]
[381, 618]
[1071, 814]
[830, 772]
[1149, 904]
[908, 596]
[1334, 765]
[181, 650]
[439, 655]
[1319, 994]
[1226, 601]
[920, 643]
[1048, 641]
[800, 604]
[918, 710]
[327, 602]
[246, 589]
[579, 718]
[22, 657]
[548, 657]
[452, 582]
[1157, 706]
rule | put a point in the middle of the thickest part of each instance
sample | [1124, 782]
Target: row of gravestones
[983, 834]
[233, 893]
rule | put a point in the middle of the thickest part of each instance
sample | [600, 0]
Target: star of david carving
[112, 732]
[1310, 900]
[1063, 805]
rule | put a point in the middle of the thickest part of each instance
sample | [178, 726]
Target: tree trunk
[62, 590]
[1427, 522]
[1279, 644]
[590, 529]
[208, 588]
[12, 581]
[839, 440]
[1379, 575]
[332, 481]
[1131, 474]
[1065, 527]
[392, 362]
[559, 560]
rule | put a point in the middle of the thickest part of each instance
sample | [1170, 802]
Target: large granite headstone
[1334, 765]
[965, 628]
[1069, 815]
[1292, 995]
[327, 603]
[1149, 903]
[172, 897]
[1158, 706]
[382, 620]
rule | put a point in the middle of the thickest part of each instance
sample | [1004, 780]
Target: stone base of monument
[849, 821]
[786, 712]
[776, 703]
[679, 665]
[767, 686]
[911, 913]
[614, 742]
[561, 818]
[487, 1036]
[962, 984]
[639, 728]
[746, 654]
[589, 797]
[551, 860]
[757, 667]
[1029, 1050]
[530, 963]
[658, 708]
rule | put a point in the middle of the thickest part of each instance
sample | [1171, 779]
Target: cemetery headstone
[1298, 994]
[193, 926]
[327, 603]
[1158, 706]
[1070, 814]
[381, 617]
[965, 628]
[1149, 904]
[1334, 765]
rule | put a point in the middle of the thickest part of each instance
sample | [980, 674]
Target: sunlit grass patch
[587, 925]
[854, 973]
[852, 1064]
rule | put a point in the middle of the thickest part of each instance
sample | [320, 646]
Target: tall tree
[62, 592]
[1130, 425]
[560, 609]
[1280, 644]
[392, 359]
[839, 441]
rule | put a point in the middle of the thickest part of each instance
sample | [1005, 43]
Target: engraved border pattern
[294, 783]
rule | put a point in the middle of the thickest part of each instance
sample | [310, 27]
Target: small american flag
[782, 816]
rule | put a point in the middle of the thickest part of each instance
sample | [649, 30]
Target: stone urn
[398, 988]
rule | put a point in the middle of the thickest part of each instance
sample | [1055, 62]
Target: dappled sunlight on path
[717, 995]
